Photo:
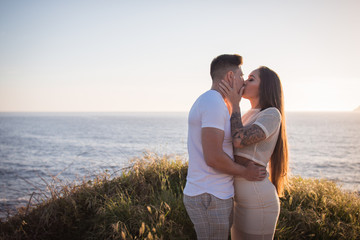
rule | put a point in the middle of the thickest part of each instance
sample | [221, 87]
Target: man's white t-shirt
[209, 110]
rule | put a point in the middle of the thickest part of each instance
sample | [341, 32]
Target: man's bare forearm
[223, 163]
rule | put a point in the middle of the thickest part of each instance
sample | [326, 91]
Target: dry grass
[318, 209]
[145, 202]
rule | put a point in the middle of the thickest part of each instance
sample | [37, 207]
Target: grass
[145, 202]
[318, 209]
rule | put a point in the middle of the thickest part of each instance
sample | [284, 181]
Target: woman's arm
[242, 136]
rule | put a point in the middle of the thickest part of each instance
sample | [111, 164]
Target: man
[209, 191]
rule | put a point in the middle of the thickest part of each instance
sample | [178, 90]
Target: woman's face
[251, 90]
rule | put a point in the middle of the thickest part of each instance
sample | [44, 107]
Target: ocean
[40, 149]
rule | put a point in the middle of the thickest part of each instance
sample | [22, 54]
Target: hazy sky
[155, 55]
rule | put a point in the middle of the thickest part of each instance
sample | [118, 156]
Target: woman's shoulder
[271, 111]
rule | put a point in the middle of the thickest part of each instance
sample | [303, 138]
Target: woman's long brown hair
[271, 95]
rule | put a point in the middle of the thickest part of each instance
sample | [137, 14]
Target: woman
[258, 136]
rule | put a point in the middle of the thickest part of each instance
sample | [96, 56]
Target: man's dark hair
[224, 63]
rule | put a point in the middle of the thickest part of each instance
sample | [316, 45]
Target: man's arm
[212, 141]
[244, 136]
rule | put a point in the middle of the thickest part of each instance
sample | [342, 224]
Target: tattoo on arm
[244, 136]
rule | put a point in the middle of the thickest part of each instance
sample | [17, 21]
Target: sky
[105, 56]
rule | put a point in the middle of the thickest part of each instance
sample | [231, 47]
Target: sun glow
[98, 57]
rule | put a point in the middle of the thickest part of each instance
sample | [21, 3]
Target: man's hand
[255, 172]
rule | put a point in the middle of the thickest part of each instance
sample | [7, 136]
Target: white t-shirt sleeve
[269, 120]
[212, 114]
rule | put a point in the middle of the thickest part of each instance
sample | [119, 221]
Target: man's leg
[196, 207]
[220, 214]
[211, 216]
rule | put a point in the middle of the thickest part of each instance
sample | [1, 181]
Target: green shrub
[145, 202]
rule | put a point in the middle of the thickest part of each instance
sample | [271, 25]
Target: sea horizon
[33, 144]
[111, 112]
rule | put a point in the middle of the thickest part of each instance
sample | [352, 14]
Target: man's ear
[229, 77]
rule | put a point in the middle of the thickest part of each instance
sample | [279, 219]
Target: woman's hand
[232, 94]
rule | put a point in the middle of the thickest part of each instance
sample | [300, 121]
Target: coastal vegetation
[145, 202]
